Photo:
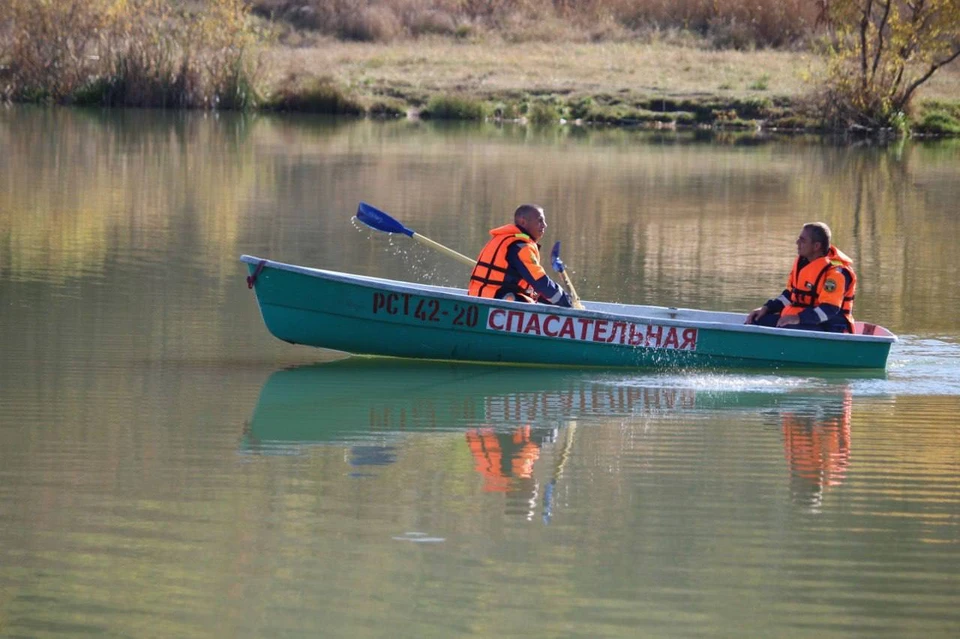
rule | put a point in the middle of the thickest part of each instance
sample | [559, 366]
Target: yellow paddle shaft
[443, 249]
[574, 298]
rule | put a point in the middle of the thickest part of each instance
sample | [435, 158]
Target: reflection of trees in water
[893, 204]
[89, 185]
[665, 215]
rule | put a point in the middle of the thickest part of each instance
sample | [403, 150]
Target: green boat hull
[362, 315]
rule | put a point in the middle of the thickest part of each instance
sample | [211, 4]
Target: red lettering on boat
[619, 328]
[671, 339]
[584, 325]
[493, 316]
[533, 325]
[600, 330]
[654, 337]
[546, 325]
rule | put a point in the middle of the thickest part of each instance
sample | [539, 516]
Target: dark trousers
[771, 319]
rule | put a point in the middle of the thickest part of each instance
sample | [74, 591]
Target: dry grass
[651, 69]
[127, 52]
[726, 23]
[415, 70]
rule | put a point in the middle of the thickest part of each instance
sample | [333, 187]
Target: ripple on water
[917, 366]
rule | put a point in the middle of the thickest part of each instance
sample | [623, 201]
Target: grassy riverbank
[607, 62]
[654, 82]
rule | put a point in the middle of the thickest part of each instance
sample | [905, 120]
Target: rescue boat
[364, 315]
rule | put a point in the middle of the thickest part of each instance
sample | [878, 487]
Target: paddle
[557, 473]
[560, 268]
[377, 219]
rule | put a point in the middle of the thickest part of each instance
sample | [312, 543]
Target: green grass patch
[937, 123]
[387, 108]
[541, 112]
[453, 107]
[760, 84]
[579, 107]
[795, 123]
[319, 96]
[506, 110]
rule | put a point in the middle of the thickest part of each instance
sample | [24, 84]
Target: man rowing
[508, 267]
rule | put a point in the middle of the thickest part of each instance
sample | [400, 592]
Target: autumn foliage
[126, 52]
[882, 52]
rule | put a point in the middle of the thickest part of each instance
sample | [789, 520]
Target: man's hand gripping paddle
[561, 269]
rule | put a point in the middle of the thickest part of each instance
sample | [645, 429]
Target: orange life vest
[822, 281]
[489, 275]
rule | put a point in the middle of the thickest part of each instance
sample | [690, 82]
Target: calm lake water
[168, 469]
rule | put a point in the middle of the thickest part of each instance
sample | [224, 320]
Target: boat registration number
[426, 309]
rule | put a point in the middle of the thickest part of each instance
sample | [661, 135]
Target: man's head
[530, 218]
[814, 240]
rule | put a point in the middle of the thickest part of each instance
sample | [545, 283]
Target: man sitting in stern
[509, 265]
[820, 288]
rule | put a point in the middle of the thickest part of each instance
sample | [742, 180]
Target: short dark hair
[820, 232]
[525, 211]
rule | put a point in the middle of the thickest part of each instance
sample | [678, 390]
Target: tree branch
[908, 93]
[880, 43]
[864, 26]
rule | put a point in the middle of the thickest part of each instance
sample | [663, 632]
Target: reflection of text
[532, 406]
[587, 329]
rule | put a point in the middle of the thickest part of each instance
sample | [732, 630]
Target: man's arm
[775, 305]
[521, 258]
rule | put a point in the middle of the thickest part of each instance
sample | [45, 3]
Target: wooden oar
[377, 219]
[561, 269]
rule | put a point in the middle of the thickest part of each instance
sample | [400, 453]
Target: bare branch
[880, 44]
[926, 76]
[864, 27]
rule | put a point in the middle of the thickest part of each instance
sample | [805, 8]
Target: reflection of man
[817, 446]
[505, 460]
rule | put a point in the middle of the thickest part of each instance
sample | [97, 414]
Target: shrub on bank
[453, 107]
[541, 112]
[387, 108]
[937, 123]
[148, 53]
[321, 95]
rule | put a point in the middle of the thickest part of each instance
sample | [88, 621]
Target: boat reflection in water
[519, 424]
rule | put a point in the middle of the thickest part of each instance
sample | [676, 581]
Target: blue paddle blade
[555, 258]
[377, 219]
